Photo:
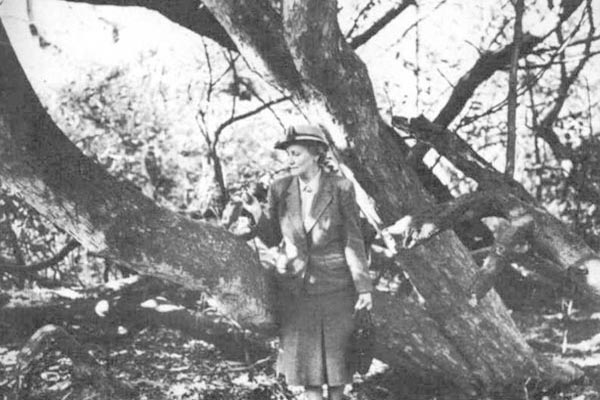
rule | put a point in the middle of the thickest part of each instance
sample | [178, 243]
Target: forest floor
[575, 339]
[165, 364]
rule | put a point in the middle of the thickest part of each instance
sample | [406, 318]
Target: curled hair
[316, 149]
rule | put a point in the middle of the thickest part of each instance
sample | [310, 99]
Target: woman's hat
[301, 133]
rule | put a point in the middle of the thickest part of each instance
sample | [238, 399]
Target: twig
[16, 268]
[250, 113]
[381, 23]
[360, 14]
[254, 365]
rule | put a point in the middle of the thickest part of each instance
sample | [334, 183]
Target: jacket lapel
[322, 198]
[294, 210]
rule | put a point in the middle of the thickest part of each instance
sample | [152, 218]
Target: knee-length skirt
[315, 332]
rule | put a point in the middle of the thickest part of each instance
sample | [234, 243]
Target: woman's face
[300, 160]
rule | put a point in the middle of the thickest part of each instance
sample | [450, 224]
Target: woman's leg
[313, 393]
[335, 392]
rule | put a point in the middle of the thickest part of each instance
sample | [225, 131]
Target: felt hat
[302, 133]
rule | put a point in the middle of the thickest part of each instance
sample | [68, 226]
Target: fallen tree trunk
[504, 198]
[134, 303]
[336, 91]
[443, 342]
[112, 218]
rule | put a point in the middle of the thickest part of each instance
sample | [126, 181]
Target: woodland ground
[164, 363]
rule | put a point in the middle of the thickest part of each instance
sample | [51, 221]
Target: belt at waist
[327, 258]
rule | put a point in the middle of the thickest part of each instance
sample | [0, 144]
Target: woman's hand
[365, 300]
[251, 205]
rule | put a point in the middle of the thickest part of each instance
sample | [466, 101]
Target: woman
[313, 215]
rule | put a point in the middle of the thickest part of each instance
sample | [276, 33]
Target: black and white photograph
[299, 200]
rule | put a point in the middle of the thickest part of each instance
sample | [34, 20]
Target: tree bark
[336, 91]
[135, 305]
[113, 218]
[501, 197]
[443, 342]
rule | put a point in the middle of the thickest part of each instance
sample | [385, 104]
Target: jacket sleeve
[354, 248]
[267, 227]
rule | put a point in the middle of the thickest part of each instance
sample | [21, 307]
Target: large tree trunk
[134, 303]
[479, 349]
[443, 342]
[113, 218]
[506, 198]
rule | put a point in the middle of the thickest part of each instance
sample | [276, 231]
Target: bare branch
[511, 140]
[484, 68]
[500, 33]
[360, 14]
[416, 229]
[259, 97]
[26, 269]
[572, 43]
[248, 114]
[545, 130]
[552, 239]
[458, 152]
[420, 149]
[358, 40]
[419, 20]
[211, 82]
[531, 224]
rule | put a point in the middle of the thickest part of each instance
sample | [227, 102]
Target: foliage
[26, 237]
[162, 137]
[564, 187]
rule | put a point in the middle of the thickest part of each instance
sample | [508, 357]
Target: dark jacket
[329, 255]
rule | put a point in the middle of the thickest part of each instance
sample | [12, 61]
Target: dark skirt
[315, 333]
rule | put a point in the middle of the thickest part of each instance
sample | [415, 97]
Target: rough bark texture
[460, 154]
[135, 304]
[443, 342]
[479, 350]
[113, 218]
[505, 198]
